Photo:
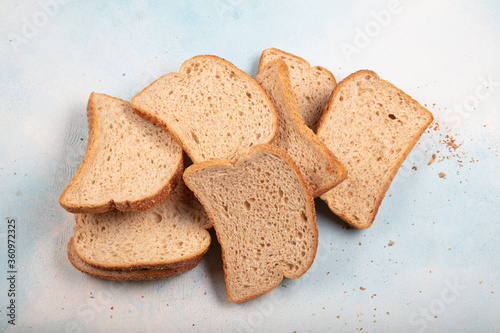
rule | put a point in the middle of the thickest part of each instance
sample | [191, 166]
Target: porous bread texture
[371, 126]
[312, 86]
[125, 275]
[263, 215]
[213, 109]
[130, 164]
[318, 165]
[168, 236]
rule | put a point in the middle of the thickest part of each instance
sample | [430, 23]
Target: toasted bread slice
[125, 275]
[213, 109]
[130, 164]
[318, 165]
[371, 126]
[263, 215]
[312, 86]
[168, 236]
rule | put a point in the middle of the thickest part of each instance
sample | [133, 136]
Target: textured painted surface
[440, 274]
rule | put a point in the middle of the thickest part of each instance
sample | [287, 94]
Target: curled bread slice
[125, 275]
[263, 215]
[312, 86]
[318, 165]
[213, 109]
[371, 126]
[130, 164]
[168, 236]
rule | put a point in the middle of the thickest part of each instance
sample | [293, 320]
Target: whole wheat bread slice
[371, 126]
[125, 275]
[168, 236]
[213, 109]
[312, 86]
[263, 215]
[130, 164]
[318, 165]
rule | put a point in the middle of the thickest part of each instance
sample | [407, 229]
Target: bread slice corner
[312, 86]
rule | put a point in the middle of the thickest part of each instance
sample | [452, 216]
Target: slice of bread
[371, 126]
[168, 236]
[126, 275]
[130, 164]
[312, 86]
[318, 165]
[263, 215]
[213, 109]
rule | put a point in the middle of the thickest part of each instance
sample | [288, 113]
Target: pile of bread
[262, 150]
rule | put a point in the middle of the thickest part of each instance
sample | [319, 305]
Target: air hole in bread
[195, 137]
[247, 205]
[303, 216]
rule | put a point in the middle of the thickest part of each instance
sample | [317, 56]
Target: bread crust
[143, 204]
[299, 59]
[314, 127]
[124, 275]
[310, 202]
[404, 154]
[151, 265]
[164, 125]
[284, 77]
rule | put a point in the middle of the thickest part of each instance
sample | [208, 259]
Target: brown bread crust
[126, 275]
[387, 182]
[149, 201]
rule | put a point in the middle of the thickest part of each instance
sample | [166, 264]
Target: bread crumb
[391, 243]
[359, 243]
[442, 175]
[481, 282]
[415, 168]
[433, 159]
[362, 288]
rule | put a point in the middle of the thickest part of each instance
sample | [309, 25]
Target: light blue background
[441, 274]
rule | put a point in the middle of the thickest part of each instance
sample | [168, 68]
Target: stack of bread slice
[258, 165]
[135, 219]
